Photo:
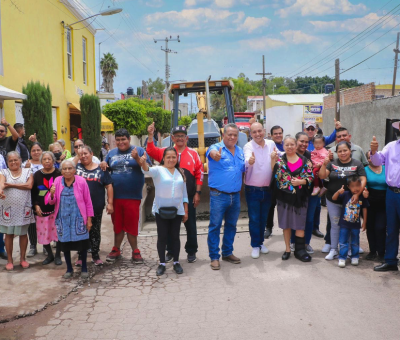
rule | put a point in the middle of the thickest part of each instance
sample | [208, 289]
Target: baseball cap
[179, 128]
[310, 123]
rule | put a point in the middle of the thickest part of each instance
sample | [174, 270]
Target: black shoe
[178, 268]
[384, 267]
[286, 255]
[191, 258]
[3, 255]
[160, 270]
[371, 256]
[48, 260]
[168, 257]
[317, 233]
[57, 261]
[267, 233]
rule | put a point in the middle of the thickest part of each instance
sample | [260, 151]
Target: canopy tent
[6, 93]
[106, 124]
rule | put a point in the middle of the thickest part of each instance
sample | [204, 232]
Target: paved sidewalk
[265, 298]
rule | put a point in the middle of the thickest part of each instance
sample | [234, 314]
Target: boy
[350, 220]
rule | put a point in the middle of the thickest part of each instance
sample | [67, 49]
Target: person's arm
[87, 200]
[185, 203]
[21, 186]
[323, 171]
[330, 139]
[3, 164]
[2, 181]
[364, 224]
[198, 175]
[378, 157]
[215, 155]
[14, 133]
[110, 199]
[274, 157]
[338, 193]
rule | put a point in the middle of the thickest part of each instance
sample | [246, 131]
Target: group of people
[61, 198]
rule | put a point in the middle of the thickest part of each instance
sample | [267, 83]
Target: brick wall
[360, 94]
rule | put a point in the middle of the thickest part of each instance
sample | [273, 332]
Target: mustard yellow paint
[35, 48]
[386, 87]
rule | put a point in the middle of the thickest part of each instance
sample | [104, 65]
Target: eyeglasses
[78, 146]
[311, 128]
[180, 136]
[2, 131]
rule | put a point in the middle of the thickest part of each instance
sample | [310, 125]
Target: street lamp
[107, 12]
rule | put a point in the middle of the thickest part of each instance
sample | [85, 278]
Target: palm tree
[108, 66]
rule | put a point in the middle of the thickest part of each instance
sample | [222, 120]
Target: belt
[395, 190]
[222, 192]
[257, 188]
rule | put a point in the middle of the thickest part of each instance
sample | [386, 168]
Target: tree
[91, 121]
[109, 69]
[166, 128]
[155, 86]
[185, 120]
[37, 113]
[139, 91]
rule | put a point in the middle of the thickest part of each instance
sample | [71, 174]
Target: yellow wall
[34, 48]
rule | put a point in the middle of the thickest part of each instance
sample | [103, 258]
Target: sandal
[24, 264]
[9, 267]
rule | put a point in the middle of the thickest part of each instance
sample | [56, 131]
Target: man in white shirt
[257, 154]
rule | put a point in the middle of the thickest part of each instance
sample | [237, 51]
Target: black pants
[32, 234]
[270, 219]
[166, 229]
[95, 234]
[191, 231]
[376, 229]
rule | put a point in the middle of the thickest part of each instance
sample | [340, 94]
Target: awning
[6, 93]
[75, 106]
[106, 124]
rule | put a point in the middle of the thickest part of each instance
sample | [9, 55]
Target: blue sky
[226, 37]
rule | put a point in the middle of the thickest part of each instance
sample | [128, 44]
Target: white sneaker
[332, 254]
[360, 250]
[264, 249]
[326, 248]
[354, 261]
[315, 191]
[255, 254]
[309, 249]
[342, 263]
[292, 246]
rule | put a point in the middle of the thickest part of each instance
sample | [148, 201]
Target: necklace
[19, 172]
[377, 172]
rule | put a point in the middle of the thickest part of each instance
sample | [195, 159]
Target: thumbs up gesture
[135, 154]
[52, 190]
[143, 159]
[151, 128]
[337, 124]
[274, 155]
[218, 155]
[28, 163]
[252, 159]
[33, 138]
[374, 145]
[341, 190]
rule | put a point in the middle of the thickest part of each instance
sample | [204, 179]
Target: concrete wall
[364, 120]
[289, 117]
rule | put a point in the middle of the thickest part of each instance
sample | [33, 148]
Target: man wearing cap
[310, 128]
[226, 167]
[390, 156]
[190, 162]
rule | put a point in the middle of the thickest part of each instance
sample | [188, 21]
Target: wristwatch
[198, 192]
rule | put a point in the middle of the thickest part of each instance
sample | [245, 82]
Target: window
[69, 52]
[84, 61]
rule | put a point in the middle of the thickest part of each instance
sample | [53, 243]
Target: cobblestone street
[264, 298]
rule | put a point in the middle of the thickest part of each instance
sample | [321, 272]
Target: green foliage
[283, 90]
[139, 91]
[166, 128]
[37, 114]
[156, 86]
[91, 121]
[185, 120]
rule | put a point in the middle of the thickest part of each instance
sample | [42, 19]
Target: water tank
[129, 91]
[329, 88]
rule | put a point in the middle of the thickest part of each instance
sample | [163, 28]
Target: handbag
[168, 213]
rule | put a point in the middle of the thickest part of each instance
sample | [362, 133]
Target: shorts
[19, 230]
[126, 216]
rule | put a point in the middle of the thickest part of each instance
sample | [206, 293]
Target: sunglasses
[310, 128]
[78, 146]
[2, 131]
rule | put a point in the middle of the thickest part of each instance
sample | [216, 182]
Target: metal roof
[292, 98]
[6, 93]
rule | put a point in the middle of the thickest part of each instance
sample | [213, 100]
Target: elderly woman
[98, 181]
[45, 219]
[293, 176]
[16, 213]
[74, 212]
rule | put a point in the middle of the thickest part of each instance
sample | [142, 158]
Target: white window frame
[19, 118]
[69, 53]
[54, 117]
[84, 59]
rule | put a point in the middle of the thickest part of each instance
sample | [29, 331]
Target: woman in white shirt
[170, 204]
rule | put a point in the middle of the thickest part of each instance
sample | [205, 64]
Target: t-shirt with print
[339, 173]
[96, 179]
[351, 212]
[126, 173]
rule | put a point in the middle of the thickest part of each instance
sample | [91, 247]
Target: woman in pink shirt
[317, 158]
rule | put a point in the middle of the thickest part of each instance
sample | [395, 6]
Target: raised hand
[341, 190]
[33, 138]
[252, 159]
[374, 145]
[135, 154]
[337, 124]
[274, 155]
[151, 128]
[28, 163]
[143, 159]
[4, 122]
[218, 155]
[330, 155]
[326, 161]
[52, 190]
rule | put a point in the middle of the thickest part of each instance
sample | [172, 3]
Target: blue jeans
[310, 220]
[258, 203]
[227, 207]
[317, 213]
[1, 243]
[344, 236]
[392, 230]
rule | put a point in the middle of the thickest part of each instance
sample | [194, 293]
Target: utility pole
[167, 68]
[396, 52]
[263, 74]
[337, 88]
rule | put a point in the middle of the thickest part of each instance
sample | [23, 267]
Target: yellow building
[37, 45]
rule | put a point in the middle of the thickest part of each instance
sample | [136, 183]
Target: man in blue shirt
[226, 168]
[310, 128]
[277, 137]
[128, 180]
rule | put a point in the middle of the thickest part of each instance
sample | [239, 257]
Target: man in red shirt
[190, 163]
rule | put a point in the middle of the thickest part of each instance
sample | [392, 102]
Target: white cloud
[190, 3]
[322, 7]
[251, 24]
[224, 3]
[351, 25]
[298, 37]
[264, 43]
